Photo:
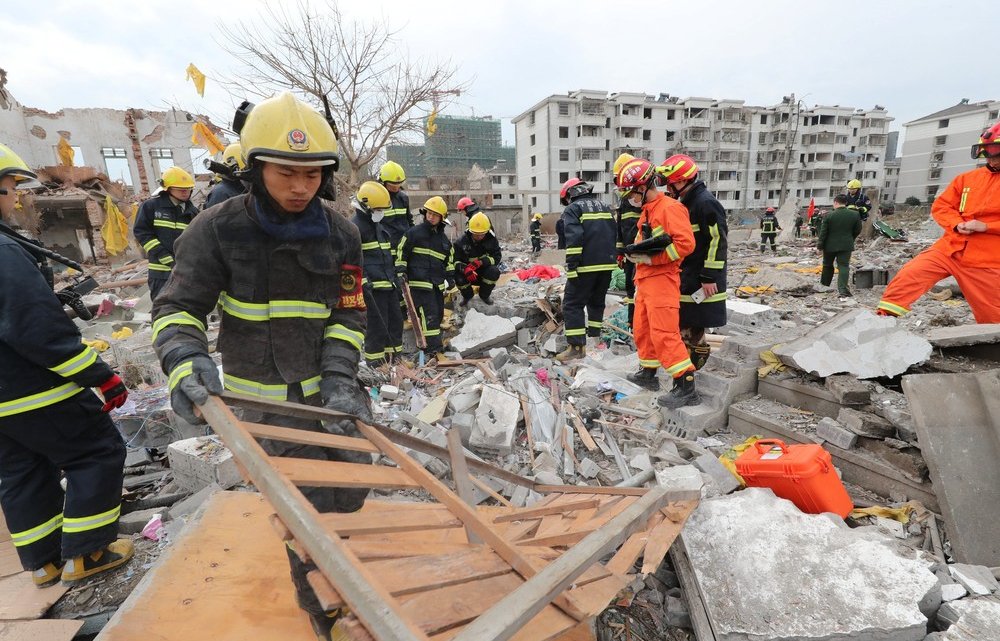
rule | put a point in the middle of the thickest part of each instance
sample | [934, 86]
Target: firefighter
[477, 255]
[425, 260]
[398, 217]
[665, 229]
[628, 217]
[51, 425]
[285, 271]
[703, 272]
[769, 229]
[160, 221]
[856, 199]
[535, 229]
[590, 258]
[229, 186]
[969, 212]
[385, 319]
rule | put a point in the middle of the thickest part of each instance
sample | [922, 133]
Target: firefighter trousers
[657, 328]
[75, 438]
[429, 304]
[487, 276]
[629, 270]
[586, 291]
[156, 283]
[384, 335]
[978, 284]
[768, 238]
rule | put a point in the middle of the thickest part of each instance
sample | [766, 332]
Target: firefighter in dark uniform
[591, 235]
[285, 270]
[535, 230]
[628, 227]
[51, 424]
[160, 221]
[477, 254]
[384, 337]
[398, 218]
[229, 186]
[703, 272]
[857, 200]
[426, 260]
[769, 229]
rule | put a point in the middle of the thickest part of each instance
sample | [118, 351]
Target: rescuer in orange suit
[969, 212]
[664, 239]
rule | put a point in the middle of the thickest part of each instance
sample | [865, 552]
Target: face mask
[635, 199]
[378, 215]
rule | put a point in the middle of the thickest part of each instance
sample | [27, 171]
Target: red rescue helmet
[676, 168]
[989, 143]
[572, 188]
[769, 210]
[464, 202]
[633, 175]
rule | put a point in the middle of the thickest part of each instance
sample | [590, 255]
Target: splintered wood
[449, 570]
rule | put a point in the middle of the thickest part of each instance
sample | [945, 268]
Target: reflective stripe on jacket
[427, 255]
[158, 224]
[591, 235]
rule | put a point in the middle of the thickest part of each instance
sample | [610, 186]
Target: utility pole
[793, 108]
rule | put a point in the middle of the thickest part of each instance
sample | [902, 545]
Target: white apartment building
[937, 147]
[891, 185]
[745, 152]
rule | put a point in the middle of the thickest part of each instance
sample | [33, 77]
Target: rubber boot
[571, 353]
[645, 377]
[113, 555]
[682, 394]
[48, 574]
[700, 354]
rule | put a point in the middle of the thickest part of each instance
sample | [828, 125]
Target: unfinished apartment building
[749, 155]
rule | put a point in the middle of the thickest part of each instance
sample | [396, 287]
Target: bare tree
[376, 92]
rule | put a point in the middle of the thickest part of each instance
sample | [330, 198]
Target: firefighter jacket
[468, 249]
[223, 191]
[769, 224]
[664, 215]
[838, 230]
[379, 261]
[292, 309]
[860, 202]
[398, 217]
[44, 360]
[158, 224]
[426, 255]
[974, 195]
[535, 229]
[591, 235]
[628, 225]
[707, 263]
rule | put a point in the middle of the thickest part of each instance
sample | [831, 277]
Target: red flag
[812, 209]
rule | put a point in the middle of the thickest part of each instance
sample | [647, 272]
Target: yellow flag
[202, 136]
[115, 228]
[66, 153]
[431, 127]
[197, 77]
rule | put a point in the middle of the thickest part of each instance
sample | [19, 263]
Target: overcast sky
[913, 57]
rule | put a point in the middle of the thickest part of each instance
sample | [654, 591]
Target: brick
[848, 390]
[866, 424]
[832, 432]
[200, 461]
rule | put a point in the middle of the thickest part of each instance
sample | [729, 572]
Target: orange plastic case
[803, 474]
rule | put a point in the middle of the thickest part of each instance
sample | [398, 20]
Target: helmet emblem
[297, 140]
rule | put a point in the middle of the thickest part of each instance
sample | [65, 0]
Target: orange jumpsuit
[973, 259]
[658, 288]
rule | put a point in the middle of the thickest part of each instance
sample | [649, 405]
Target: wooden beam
[305, 472]
[406, 440]
[581, 429]
[591, 489]
[305, 437]
[460, 475]
[538, 512]
[382, 615]
[364, 522]
[513, 611]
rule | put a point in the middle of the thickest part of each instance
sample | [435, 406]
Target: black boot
[645, 377]
[682, 394]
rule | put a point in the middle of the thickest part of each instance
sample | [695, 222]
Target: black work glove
[191, 381]
[346, 395]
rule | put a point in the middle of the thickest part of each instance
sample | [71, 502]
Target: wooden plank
[305, 437]
[20, 599]
[314, 473]
[591, 489]
[370, 550]
[358, 523]
[460, 475]
[482, 485]
[381, 614]
[516, 608]
[563, 508]
[45, 630]
[660, 539]
[624, 559]
[521, 564]
[701, 624]
[406, 440]
[449, 607]
[581, 429]
[520, 530]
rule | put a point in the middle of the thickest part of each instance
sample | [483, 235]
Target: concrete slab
[496, 420]
[747, 547]
[681, 478]
[800, 393]
[866, 423]
[848, 390]
[856, 342]
[723, 479]
[957, 417]
[960, 335]
[741, 312]
[833, 432]
[201, 461]
[977, 579]
[481, 332]
[974, 620]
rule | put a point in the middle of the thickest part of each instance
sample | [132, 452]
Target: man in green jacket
[837, 232]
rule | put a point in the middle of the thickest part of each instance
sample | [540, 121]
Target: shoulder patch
[351, 293]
